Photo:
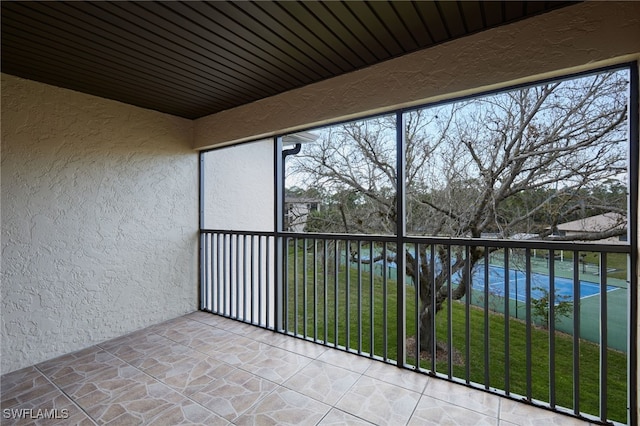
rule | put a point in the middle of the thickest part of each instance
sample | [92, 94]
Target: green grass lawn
[361, 315]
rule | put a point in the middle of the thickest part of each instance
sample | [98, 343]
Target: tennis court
[539, 283]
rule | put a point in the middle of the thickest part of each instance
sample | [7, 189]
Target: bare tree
[520, 161]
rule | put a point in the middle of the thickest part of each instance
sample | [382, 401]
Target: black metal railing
[540, 321]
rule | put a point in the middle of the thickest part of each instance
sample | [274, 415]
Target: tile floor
[205, 369]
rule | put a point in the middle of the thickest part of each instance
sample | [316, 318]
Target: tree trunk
[426, 329]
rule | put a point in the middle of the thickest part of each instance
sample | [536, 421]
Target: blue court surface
[517, 284]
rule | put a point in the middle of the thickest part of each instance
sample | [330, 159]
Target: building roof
[599, 223]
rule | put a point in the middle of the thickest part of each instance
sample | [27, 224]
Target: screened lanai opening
[237, 259]
[486, 240]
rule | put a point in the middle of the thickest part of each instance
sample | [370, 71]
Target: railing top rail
[457, 241]
[236, 232]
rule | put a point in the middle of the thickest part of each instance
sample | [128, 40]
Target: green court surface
[616, 304]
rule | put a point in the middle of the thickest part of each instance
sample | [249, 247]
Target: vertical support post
[279, 274]
[400, 235]
[202, 281]
[632, 234]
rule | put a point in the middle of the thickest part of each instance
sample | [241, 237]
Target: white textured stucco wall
[239, 187]
[99, 220]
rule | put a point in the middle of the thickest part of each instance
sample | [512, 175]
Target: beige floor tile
[379, 402]
[35, 386]
[198, 336]
[337, 417]
[463, 396]
[137, 346]
[397, 376]
[284, 407]
[84, 363]
[346, 360]
[188, 373]
[323, 382]
[431, 411]
[232, 395]
[300, 347]
[272, 363]
[523, 414]
[52, 408]
[187, 413]
[139, 404]
[21, 381]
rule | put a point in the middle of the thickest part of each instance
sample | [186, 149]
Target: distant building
[600, 223]
[296, 212]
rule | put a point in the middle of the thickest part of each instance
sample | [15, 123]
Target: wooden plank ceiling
[193, 59]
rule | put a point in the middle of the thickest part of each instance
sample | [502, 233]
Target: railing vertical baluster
[226, 296]
[449, 315]
[229, 283]
[325, 281]
[335, 292]
[219, 268]
[231, 276]
[260, 287]
[486, 318]
[296, 243]
[204, 271]
[552, 329]
[237, 312]
[372, 273]
[467, 315]
[267, 283]
[305, 283]
[385, 334]
[252, 268]
[604, 344]
[315, 290]
[507, 321]
[244, 277]
[285, 286]
[432, 283]
[210, 278]
[576, 332]
[416, 297]
[359, 297]
[347, 261]
[527, 256]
